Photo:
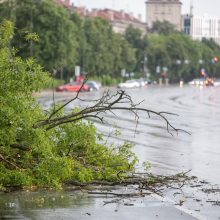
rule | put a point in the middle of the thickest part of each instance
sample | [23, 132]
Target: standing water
[199, 114]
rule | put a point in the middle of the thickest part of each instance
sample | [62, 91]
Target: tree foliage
[102, 51]
[66, 40]
[163, 27]
[59, 39]
[175, 51]
[140, 43]
[57, 45]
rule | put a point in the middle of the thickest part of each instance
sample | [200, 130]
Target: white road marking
[185, 210]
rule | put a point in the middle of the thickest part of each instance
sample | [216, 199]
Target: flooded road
[199, 114]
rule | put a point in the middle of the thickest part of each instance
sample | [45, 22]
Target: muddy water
[199, 114]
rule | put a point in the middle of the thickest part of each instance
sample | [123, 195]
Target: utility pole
[146, 74]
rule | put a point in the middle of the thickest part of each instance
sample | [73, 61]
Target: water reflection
[25, 205]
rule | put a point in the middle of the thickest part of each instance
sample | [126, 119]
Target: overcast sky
[210, 7]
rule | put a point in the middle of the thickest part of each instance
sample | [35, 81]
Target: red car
[72, 87]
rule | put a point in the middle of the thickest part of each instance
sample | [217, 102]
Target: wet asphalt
[199, 113]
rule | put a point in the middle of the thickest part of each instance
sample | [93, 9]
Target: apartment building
[119, 20]
[199, 27]
[164, 10]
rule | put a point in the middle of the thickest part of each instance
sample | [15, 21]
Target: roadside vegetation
[63, 40]
[33, 156]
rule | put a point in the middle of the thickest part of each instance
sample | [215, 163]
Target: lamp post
[33, 2]
[145, 65]
[202, 70]
[178, 63]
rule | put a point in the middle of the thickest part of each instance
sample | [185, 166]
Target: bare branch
[67, 103]
[107, 103]
[147, 183]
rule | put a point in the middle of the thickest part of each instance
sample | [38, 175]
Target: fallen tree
[145, 183]
[47, 149]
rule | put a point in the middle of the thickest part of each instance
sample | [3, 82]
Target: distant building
[164, 10]
[81, 11]
[119, 20]
[65, 3]
[186, 24]
[199, 27]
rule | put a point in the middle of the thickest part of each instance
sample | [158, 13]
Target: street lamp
[176, 75]
[145, 62]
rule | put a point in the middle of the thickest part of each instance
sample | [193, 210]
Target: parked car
[72, 87]
[93, 86]
[129, 84]
[142, 82]
[198, 82]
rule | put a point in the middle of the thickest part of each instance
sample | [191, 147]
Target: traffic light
[215, 59]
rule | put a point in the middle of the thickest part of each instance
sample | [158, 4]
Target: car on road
[73, 87]
[198, 82]
[93, 85]
[129, 84]
[142, 82]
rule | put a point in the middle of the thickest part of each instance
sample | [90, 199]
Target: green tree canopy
[59, 39]
[57, 43]
[140, 43]
[163, 27]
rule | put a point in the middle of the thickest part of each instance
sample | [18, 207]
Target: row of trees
[175, 52]
[66, 40]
